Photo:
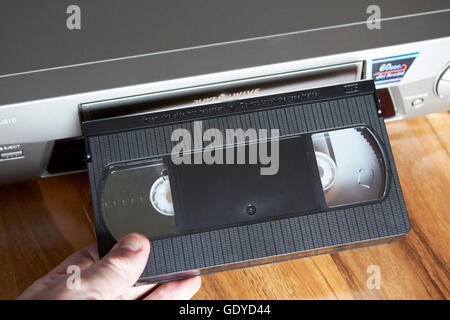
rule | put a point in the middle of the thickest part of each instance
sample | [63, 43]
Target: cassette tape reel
[351, 166]
[137, 198]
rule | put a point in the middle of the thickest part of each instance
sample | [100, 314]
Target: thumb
[119, 269]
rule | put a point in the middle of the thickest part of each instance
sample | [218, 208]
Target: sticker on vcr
[392, 69]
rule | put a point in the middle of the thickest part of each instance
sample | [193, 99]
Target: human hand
[112, 277]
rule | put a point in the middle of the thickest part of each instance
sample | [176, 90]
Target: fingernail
[131, 242]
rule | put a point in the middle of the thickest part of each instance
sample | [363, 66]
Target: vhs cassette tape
[245, 182]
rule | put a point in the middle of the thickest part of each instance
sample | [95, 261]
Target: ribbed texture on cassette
[283, 236]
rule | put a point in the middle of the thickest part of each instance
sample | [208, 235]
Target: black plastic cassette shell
[144, 136]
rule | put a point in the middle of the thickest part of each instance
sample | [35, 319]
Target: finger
[82, 258]
[176, 290]
[135, 293]
[55, 281]
[119, 269]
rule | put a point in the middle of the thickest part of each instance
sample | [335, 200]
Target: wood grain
[43, 221]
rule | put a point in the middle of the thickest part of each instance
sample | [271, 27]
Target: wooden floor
[41, 222]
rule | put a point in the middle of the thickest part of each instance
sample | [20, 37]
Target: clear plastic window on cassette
[317, 172]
